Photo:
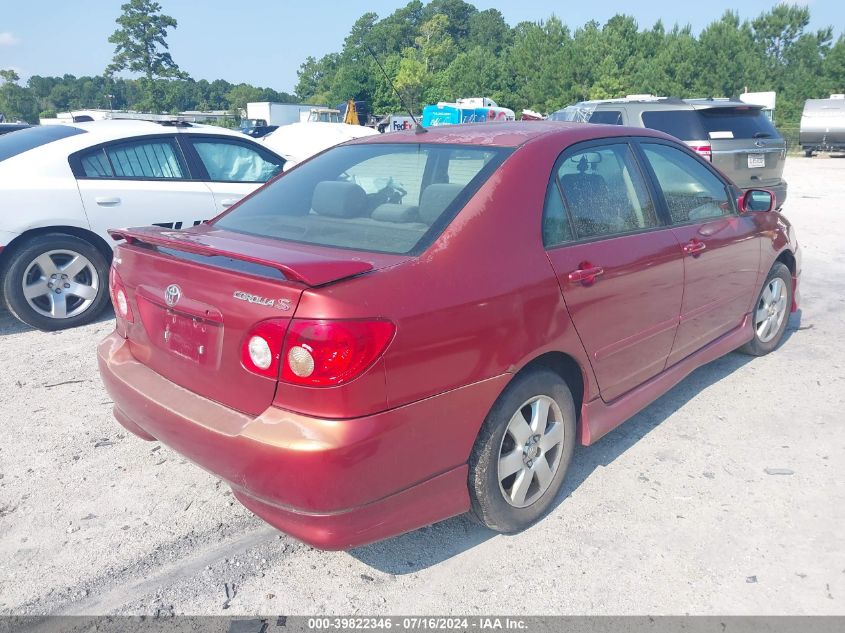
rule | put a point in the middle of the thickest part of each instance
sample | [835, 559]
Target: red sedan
[412, 326]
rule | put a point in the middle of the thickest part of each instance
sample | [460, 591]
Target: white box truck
[279, 113]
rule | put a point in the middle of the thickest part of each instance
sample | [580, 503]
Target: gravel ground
[672, 513]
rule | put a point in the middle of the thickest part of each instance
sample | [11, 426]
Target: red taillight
[704, 150]
[323, 353]
[262, 347]
[119, 298]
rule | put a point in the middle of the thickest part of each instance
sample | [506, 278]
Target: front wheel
[522, 452]
[56, 281]
[771, 312]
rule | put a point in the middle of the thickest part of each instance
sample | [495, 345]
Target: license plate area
[756, 161]
[190, 337]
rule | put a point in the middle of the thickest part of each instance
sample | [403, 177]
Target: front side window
[148, 159]
[692, 191]
[230, 161]
[605, 192]
[392, 198]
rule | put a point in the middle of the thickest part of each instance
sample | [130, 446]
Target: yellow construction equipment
[351, 117]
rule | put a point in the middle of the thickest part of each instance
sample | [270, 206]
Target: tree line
[447, 49]
[45, 96]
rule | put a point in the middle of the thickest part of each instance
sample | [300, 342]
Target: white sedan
[300, 141]
[63, 186]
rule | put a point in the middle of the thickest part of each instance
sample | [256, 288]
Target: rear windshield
[22, 141]
[390, 198]
[727, 123]
[682, 124]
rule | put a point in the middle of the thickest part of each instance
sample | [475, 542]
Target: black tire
[808, 153]
[758, 346]
[489, 505]
[81, 310]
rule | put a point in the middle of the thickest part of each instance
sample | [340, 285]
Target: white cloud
[8, 39]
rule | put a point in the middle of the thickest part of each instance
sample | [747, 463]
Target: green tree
[16, 102]
[727, 59]
[834, 68]
[434, 44]
[141, 41]
[242, 94]
[9, 76]
[489, 30]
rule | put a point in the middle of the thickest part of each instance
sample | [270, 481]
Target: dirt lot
[673, 512]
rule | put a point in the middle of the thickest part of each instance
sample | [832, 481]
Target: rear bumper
[334, 484]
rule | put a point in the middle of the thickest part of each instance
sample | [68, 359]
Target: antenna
[418, 129]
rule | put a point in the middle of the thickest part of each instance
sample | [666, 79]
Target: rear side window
[230, 161]
[692, 191]
[605, 193]
[610, 117]
[156, 159]
[24, 140]
[727, 123]
[682, 124]
[392, 198]
[556, 227]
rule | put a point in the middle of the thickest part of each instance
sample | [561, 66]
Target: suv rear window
[390, 198]
[22, 141]
[726, 123]
[682, 124]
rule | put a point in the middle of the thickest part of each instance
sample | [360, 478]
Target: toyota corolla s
[413, 326]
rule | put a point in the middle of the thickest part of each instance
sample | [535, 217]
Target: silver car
[737, 137]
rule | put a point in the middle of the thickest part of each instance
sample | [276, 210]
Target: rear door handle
[587, 274]
[694, 246]
[106, 201]
[228, 202]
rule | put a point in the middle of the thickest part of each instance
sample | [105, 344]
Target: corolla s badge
[172, 294]
[280, 304]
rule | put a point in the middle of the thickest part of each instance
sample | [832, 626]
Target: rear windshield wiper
[761, 135]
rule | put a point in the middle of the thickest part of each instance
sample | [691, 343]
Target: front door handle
[228, 202]
[694, 247]
[107, 201]
[586, 274]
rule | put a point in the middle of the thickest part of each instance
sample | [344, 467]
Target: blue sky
[263, 42]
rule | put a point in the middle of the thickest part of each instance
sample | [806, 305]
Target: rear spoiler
[307, 267]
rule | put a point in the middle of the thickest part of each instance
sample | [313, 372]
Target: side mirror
[757, 200]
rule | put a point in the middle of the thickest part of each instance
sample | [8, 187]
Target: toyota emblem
[172, 294]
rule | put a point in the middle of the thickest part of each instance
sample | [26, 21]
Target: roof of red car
[504, 134]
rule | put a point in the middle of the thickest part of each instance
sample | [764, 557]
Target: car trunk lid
[196, 295]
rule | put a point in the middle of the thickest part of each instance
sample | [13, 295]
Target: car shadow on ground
[431, 545]
[10, 325]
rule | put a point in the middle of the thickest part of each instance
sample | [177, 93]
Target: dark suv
[737, 137]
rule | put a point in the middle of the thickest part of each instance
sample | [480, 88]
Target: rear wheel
[56, 281]
[771, 312]
[522, 452]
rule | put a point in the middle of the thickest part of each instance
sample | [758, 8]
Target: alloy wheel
[530, 452]
[771, 310]
[60, 284]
